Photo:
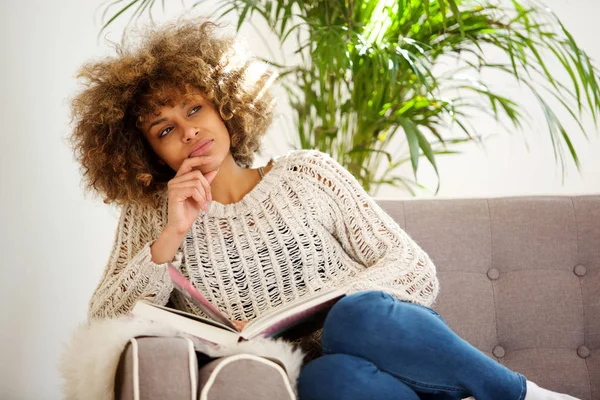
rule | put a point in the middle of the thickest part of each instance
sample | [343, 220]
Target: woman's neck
[233, 182]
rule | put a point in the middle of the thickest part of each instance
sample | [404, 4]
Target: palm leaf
[368, 78]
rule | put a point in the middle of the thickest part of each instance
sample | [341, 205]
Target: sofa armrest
[157, 368]
[169, 368]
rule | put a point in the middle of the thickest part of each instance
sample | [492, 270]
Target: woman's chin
[206, 168]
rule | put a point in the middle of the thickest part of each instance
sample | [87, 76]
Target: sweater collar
[254, 197]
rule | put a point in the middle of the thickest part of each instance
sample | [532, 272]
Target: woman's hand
[188, 192]
[239, 324]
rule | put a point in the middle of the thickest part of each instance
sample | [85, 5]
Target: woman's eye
[167, 130]
[195, 110]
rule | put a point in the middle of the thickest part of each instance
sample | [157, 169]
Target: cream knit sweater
[307, 225]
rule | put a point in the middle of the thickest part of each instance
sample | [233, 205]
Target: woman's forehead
[169, 97]
[154, 101]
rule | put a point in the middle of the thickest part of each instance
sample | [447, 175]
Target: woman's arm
[395, 262]
[130, 274]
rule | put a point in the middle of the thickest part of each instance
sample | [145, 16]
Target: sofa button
[580, 270]
[498, 351]
[583, 351]
[493, 274]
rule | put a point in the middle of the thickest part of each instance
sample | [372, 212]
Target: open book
[291, 320]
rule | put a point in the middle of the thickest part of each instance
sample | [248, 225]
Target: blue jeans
[378, 347]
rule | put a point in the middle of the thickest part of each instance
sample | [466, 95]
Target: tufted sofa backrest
[519, 280]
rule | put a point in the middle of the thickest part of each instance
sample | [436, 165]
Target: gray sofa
[519, 280]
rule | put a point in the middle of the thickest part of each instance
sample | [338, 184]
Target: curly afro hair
[187, 56]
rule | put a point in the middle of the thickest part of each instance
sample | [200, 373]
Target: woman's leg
[413, 343]
[346, 377]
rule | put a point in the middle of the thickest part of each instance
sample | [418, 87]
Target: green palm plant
[369, 72]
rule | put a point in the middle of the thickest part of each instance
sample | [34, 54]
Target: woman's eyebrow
[158, 121]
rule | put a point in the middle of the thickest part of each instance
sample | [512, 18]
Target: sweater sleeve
[130, 274]
[394, 261]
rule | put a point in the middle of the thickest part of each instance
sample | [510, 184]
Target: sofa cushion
[244, 376]
[519, 280]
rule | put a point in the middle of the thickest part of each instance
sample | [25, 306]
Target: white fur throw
[89, 363]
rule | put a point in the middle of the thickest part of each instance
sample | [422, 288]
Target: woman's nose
[190, 132]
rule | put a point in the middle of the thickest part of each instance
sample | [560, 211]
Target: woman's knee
[357, 305]
[360, 317]
[353, 316]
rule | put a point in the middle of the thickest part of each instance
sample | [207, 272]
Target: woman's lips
[201, 150]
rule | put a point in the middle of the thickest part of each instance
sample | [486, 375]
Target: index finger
[187, 164]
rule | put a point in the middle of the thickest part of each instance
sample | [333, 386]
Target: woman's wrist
[165, 247]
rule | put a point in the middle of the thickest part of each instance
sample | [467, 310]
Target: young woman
[168, 131]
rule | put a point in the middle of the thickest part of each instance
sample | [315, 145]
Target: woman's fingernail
[209, 197]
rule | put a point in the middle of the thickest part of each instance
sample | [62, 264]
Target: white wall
[55, 242]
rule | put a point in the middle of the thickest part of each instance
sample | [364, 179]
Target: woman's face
[173, 132]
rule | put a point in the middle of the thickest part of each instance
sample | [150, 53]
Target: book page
[202, 328]
[195, 317]
[290, 314]
[186, 288]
